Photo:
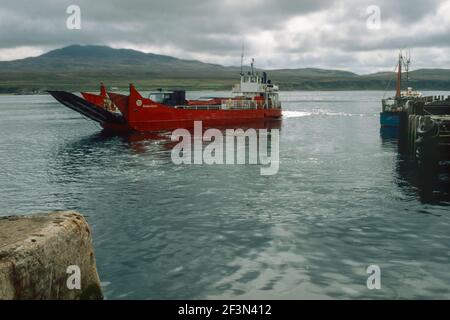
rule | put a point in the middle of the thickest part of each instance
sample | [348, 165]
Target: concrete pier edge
[47, 256]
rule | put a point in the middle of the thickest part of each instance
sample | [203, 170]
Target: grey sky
[279, 34]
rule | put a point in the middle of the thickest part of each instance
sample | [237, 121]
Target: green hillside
[78, 68]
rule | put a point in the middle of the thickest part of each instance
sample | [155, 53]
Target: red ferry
[256, 100]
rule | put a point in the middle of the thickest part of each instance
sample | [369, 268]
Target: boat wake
[320, 112]
[296, 114]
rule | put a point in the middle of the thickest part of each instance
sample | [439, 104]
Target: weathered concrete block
[36, 252]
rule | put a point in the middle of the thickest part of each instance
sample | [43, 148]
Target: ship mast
[242, 60]
[399, 77]
[407, 63]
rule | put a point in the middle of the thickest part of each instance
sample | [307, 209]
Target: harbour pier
[425, 130]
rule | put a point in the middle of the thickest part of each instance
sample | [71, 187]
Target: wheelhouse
[170, 98]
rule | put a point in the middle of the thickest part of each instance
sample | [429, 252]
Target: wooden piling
[435, 110]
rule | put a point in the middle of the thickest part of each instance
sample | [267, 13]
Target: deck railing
[231, 105]
[202, 107]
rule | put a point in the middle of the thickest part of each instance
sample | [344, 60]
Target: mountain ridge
[82, 67]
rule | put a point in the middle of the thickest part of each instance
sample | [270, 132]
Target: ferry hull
[149, 126]
[143, 115]
[261, 123]
[146, 115]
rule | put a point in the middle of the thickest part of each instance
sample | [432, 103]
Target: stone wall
[40, 256]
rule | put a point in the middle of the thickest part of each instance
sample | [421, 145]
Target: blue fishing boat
[394, 107]
[389, 119]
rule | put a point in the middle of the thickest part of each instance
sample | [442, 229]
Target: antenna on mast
[242, 59]
[407, 63]
[398, 93]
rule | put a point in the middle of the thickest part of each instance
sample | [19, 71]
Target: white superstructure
[253, 85]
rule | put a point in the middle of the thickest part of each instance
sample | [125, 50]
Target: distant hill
[78, 68]
[78, 57]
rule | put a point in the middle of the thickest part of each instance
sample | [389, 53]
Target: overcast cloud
[279, 34]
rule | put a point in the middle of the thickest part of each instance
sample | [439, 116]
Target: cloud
[279, 34]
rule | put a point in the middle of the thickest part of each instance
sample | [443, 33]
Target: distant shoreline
[82, 68]
[222, 90]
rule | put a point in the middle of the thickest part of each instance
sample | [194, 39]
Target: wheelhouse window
[159, 97]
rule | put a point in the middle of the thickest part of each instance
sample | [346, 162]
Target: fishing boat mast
[407, 62]
[398, 94]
